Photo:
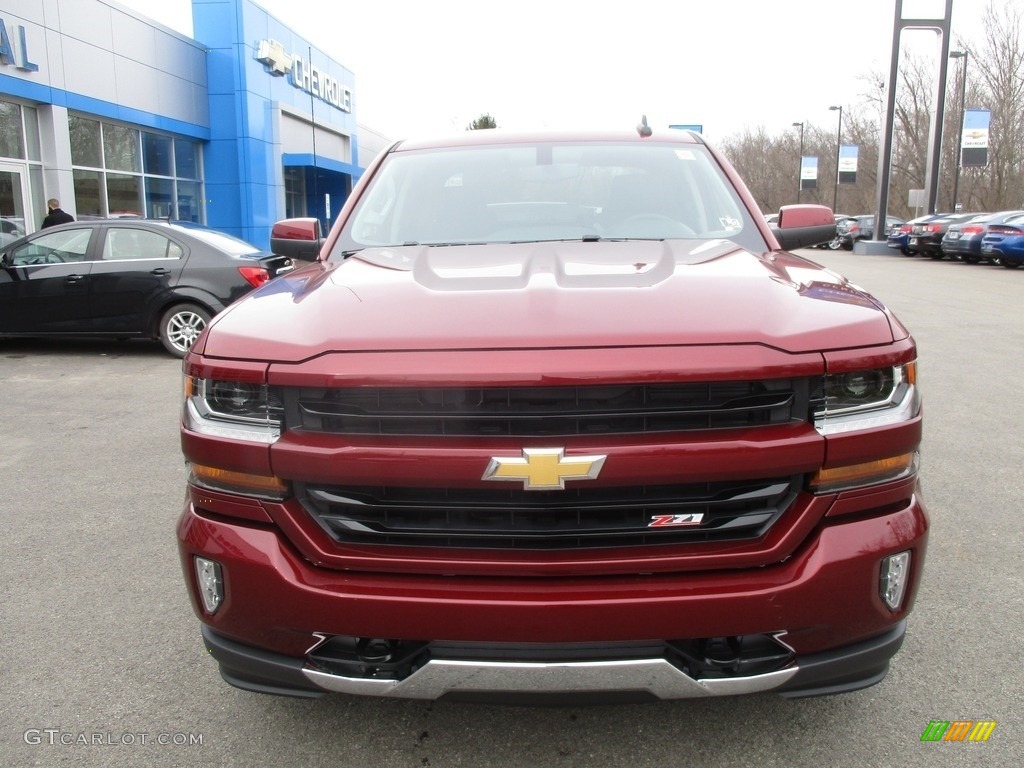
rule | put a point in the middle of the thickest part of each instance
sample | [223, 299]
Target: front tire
[1008, 264]
[180, 326]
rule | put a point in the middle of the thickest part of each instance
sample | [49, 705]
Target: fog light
[211, 583]
[893, 584]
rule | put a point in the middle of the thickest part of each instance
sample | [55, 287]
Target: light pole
[839, 144]
[963, 98]
[800, 162]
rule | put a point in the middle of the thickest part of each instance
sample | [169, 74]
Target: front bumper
[841, 670]
[822, 604]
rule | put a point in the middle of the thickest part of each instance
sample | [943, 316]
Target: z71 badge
[665, 521]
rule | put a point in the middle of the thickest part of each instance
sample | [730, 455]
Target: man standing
[56, 215]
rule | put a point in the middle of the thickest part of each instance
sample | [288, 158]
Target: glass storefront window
[85, 142]
[186, 159]
[11, 135]
[36, 189]
[87, 193]
[159, 198]
[294, 193]
[124, 194]
[32, 133]
[120, 148]
[156, 154]
[157, 173]
[189, 204]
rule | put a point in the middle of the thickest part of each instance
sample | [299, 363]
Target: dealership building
[115, 114]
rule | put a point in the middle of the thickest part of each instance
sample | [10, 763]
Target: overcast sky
[428, 67]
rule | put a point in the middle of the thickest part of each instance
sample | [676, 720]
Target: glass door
[15, 209]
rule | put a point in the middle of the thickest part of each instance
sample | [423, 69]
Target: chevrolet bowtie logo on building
[273, 54]
[544, 469]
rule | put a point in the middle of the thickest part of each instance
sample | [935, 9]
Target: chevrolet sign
[272, 54]
[303, 75]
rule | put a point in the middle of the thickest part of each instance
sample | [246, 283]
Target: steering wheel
[49, 258]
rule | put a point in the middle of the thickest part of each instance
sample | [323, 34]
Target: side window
[134, 244]
[69, 245]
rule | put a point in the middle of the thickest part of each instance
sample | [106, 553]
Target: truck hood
[550, 295]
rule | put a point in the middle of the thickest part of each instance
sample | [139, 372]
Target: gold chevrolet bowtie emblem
[544, 469]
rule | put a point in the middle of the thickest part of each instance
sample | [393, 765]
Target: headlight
[233, 409]
[866, 399]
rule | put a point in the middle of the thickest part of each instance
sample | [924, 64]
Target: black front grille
[546, 411]
[560, 519]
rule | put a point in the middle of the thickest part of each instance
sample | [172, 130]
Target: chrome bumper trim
[656, 676]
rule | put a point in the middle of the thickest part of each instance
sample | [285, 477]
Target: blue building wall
[244, 158]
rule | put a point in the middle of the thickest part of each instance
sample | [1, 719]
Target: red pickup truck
[553, 415]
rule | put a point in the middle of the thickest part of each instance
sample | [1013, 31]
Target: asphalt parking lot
[101, 661]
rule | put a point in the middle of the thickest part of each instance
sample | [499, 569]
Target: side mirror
[297, 239]
[800, 226]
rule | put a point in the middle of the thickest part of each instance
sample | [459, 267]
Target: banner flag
[974, 141]
[808, 172]
[848, 164]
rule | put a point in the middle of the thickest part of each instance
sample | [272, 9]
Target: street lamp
[963, 98]
[839, 145]
[800, 162]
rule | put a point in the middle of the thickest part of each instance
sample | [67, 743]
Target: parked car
[862, 228]
[926, 236]
[1006, 242]
[511, 436]
[127, 278]
[963, 240]
[834, 244]
[899, 237]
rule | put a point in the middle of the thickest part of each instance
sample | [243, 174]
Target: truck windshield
[549, 191]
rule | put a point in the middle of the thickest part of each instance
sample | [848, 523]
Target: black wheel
[1009, 264]
[180, 326]
[971, 259]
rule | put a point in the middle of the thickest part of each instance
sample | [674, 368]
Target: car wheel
[1009, 264]
[835, 244]
[971, 259]
[180, 326]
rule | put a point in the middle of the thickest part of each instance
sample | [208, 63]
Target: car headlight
[866, 399]
[237, 410]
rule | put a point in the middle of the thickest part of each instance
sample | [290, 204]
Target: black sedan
[126, 278]
[862, 228]
[926, 237]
